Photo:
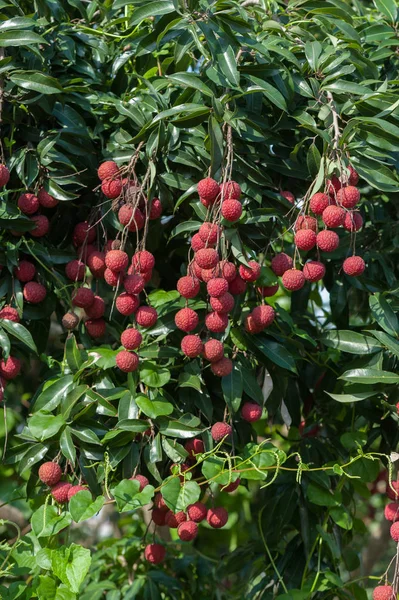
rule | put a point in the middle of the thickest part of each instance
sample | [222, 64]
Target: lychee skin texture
[208, 189]
[281, 263]
[222, 367]
[112, 278]
[394, 531]
[192, 346]
[213, 350]
[96, 310]
[207, 258]
[263, 315]
[156, 209]
[333, 216]
[230, 189]
[391, 511]
[318, 203]
[354, 176]
[220, 430]
[383, 592]
[143, 261]
[95, 328]
[146, 316]
[231, 210]
[42, 226]
[209, 233]
[227, 270]
[160, 503]
[305, 239]
[251, 273]
[216, 322]
[193, 447]
[173, 520]
[305, 222]
[116, 260]
[127, 304]
[232, 486]
[288, 196]
[208, 274]
[293, 280]
[83, 232]
[237, 286]
[314, 270]
[4, 175]
[34, 292]
[353, 221]
[131, 217]
[251, 326]
[143, 481]
[223, 304]
[111, 188]
[158, 516]
[50, 473]
[10, 368]
[134, 284]
[28, 204]
[251, 412]
[83, 297]
[131, 338]
[107, 169]
[154, 553]
[127, 361]
[217, 287]
[60, 491]
[333, 185]
[74, 489]
[348, 196]
[46, 200]
[186, 319]
[217, 517]
[268, 291]
[197, 243]
[25, 271]
[187, 531]
[9, 313]
[354, 266]
[70, 320]
[75, 270]
[327, 241]
[197, 512]
[188, 287]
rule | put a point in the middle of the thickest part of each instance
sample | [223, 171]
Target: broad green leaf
[54, 391]
[44, 426]
[37, 82]
[128, 497]
[217, 470]
[82, 506]
[275, 352]
[388, 7]
[5, 343]
[152, 9]
[388, 341]
[178, 496]
[153, 375]
[34, 455]
[20, 38]
[227, 63]
[72, 352]
[46, 521]
[177, 429]
[269, 91]
[383, 314]
[232, 387]
[174, 450]
[369, 376]
[217, 149]
[350, 341]
[192, 81]
[67, 446]
[71, 565]
[354, 397]
[319, 495]
[154, 408]
[20, 332]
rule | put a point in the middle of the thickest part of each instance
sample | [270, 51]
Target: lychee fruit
[193, 447]
[353, 221]
[333, 216]
[227, 270]
[208, 189]
[96, 263]
[383, 592]
[156, 209]
[134, 284]
[232, 486]
[131, 338]
[231, 210]
[25, 271]
[142, 479]
[263, 315]
[394, 531]
[112, 278]
[107, 169]
[70, 320]
[250, 273]
[327, 241]
[130, 217]
[230, 189]
[95, 328]
[223, 304]
[116, 260]
[188, 286]
[213, 350]
[220, 430]
[158, 516]
[318, 203]
[111, 188]
[9, 313]
[46, 200]
[83, 297]
[354, 266]
[209, 233]
[83, 233]
[10, 368]
[208, 274]
[42, 226]
[75, 270]
[217, 287]
[237, 286]
[217, 517]
[146, 316]
[28, 204]
[251, 412]
[222, 367]
[207, 258]
[143, 261]
[4, 175]
[281, 263]
[127, 304]
[197, 243]
[173, 520]
[390, 493]
[60, 491]
[127, 361]
[186, 319]
[314, 270]
[197, 512]
[192, 346]
[267, 291]
[348, 197]
[34, 292]
[333, 185]
[305, 239]
[216, 322]
[293, 280]
[354, 176]
[50, 473]
[160, 503]
[288, 196]
[305, 222]
[74, 489]
[154, 553]
[391, 511]
[187, 531]
[252, 326]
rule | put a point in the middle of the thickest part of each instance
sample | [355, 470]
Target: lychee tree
[199, 290]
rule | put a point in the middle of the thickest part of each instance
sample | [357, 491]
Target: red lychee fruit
[111, 188]
[130, 217]
[4, 175]
[154, 553]
[217, 517]
[50, 473]
[146, 316]
[134, 284]
[305, 222]
[28, 204]
[383, 592]
[192, 346]
[333, 185]
[143, 261]
[46, 200]
[34, 292]
[207, 258]
[281, 263]
[267, 291]
[250, 273]
[42, 226]
[10, 368]
[213, 350]
[251, 412]
[74, 489]
[193, 447]
[116, 260]
[70, 320]
[231, 210]
[394, 531]
[186, 319]
[353, 221]
[237, 286]
[263, 315]
[232, 486]
[353, 176]
[96, 310]
[217, 287]
[216, 322]
[327, 241]
[391, 511]
[107, 169]
[96, 263]
[348, 196]
[318, 203]
[9, 313]
[220, 430]
[288, 196]
[75, 270]
[112, 278]
[60, 491]
[127, 304]
[83, 297]
[187, 531]
[208, 274]
[143, 481]
[227, 270]
[223, 304]
[314, 270]
[25, 271]
[131, 338]
[209, 233]
[305, 239]
[293, 280]
[188, 286]
[197, 243]
[95, 328]
[173, 520]
[222, 367]
[197, 512]
[83, 232]
[252, 326]
[127, 361]
[158, 516]
[230, 189]
[354, 266]
[160, 503]
[333, 216]
[156, 209]
[208, 189]
[390, 493]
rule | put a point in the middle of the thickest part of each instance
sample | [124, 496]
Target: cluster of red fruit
[391, 513]
[50, 474]
[335, 208]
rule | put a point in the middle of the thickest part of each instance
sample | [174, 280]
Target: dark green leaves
[20, 38]
[37, 82]
[232, 386]
[350, 341]
[369, 376]
[154, 408]
[53, 393]
[20, 332]
[383, 314]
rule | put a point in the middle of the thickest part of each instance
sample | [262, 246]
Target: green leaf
[251, 386]
[82, 506]
[232, 386]
[192, 81]
[53, 393]
[347, 87]
[313, 160]
[350, 341]
[20, 332]
[179, 496]
[20, 38]
[46, 521]
[383, 314]
[385, 339]
[217, 470]
[269, 91]
[67, 446]
[152, 9]
[369, 376]
[71, 565]
[354, 397]
[174, 450]
[275, 352]
[227, 63]
[43, 426]
[312, 52]
[154, 408]
[388, 8]
[128, 497]
[37, 82]
[217, 150]
[5, 343]
[153, 375]
[72, 352]
[177, 429]
[321, 496]
[35, 454]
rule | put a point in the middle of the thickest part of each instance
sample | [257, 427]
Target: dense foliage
[278, 96]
